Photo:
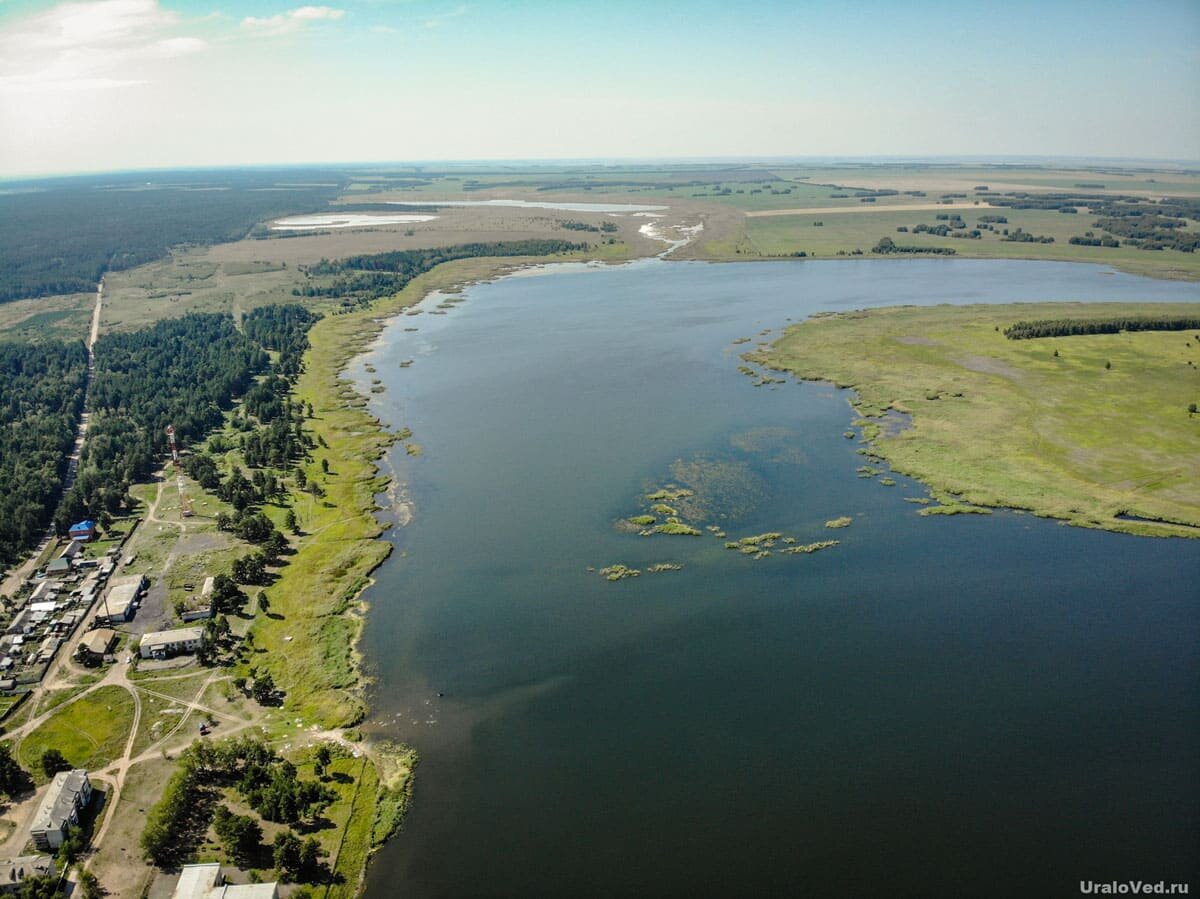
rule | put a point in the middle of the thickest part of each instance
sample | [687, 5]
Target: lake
[939, 706]
[531, 204]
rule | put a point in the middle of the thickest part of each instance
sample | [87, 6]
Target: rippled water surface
[945, 706]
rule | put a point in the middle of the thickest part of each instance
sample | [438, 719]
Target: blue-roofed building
[83, 531]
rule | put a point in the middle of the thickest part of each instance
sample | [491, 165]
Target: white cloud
[89, 46]
[435, 21]
[316, 12]
[292, 20]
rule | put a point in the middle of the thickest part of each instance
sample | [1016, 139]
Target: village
[98, 609]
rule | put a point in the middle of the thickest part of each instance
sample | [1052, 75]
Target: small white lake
[529, 204]
[345, 220]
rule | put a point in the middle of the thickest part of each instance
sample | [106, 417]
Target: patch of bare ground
[985, 365]
[118, 863]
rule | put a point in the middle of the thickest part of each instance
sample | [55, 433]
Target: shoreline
[329, 687]
[887, 357]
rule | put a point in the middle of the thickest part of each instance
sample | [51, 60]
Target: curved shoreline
[1012, 427]
[312, 647]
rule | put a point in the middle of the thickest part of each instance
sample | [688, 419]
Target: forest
[185, 372]
[41, 396]
[118, 222]
[364, 278]
[1066, 327]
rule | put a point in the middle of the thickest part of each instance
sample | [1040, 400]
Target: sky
[131, 84]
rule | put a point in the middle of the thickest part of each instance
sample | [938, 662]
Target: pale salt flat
[532, 204]
[345, 220]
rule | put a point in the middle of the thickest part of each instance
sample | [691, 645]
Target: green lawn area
[1008, 423]
[90, 732]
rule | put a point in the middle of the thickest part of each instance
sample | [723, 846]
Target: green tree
[53, 761]
[311, 854]
[241, 835]
[287, 855]
[264, 689]
[13, 778]
[322, 758]
[89, 885]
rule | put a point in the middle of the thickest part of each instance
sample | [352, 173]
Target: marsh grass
[1059, 436]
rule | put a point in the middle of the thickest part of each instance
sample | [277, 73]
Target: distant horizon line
[822, 160]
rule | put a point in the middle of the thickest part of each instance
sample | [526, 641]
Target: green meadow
[1095, 430]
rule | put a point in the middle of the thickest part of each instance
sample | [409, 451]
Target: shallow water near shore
[959, 705]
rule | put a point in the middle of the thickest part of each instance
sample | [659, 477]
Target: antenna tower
[185, 508]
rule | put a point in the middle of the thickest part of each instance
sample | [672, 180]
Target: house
[72, 550]
[118, 603]
[207, 882]
[43, 591]
[82, 531]
[48, 648]
[20, 623]
[15, 871]
[98, 643]
[163, 644]
[58, 567]
[69, 794]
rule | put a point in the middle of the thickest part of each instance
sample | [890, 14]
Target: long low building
[164, 644]
[69, 794]
[118, 603]
[205, 881]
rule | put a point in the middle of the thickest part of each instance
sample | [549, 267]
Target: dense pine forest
[1066, 327]
[364, 278]
[61, 236]
[41, 395]
[186, 372]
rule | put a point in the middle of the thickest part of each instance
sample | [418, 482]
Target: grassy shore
[309, 642]
[1081, 428]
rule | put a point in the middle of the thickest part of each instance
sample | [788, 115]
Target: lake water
[532, 204]
[944, 706]
[345, 220]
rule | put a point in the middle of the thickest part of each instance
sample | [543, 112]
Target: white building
[206, 882]
[69, 793]
[15, 871]
[118, 603]
[162, 644]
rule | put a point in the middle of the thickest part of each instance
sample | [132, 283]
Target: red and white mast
[185, 508]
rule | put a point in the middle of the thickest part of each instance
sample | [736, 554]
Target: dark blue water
[965, 706]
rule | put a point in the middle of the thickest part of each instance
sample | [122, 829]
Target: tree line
[365, 278]
[888, 246]
[61, 235]
[1067, 327]
[41, 396]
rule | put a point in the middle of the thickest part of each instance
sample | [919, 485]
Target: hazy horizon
[130, 85]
